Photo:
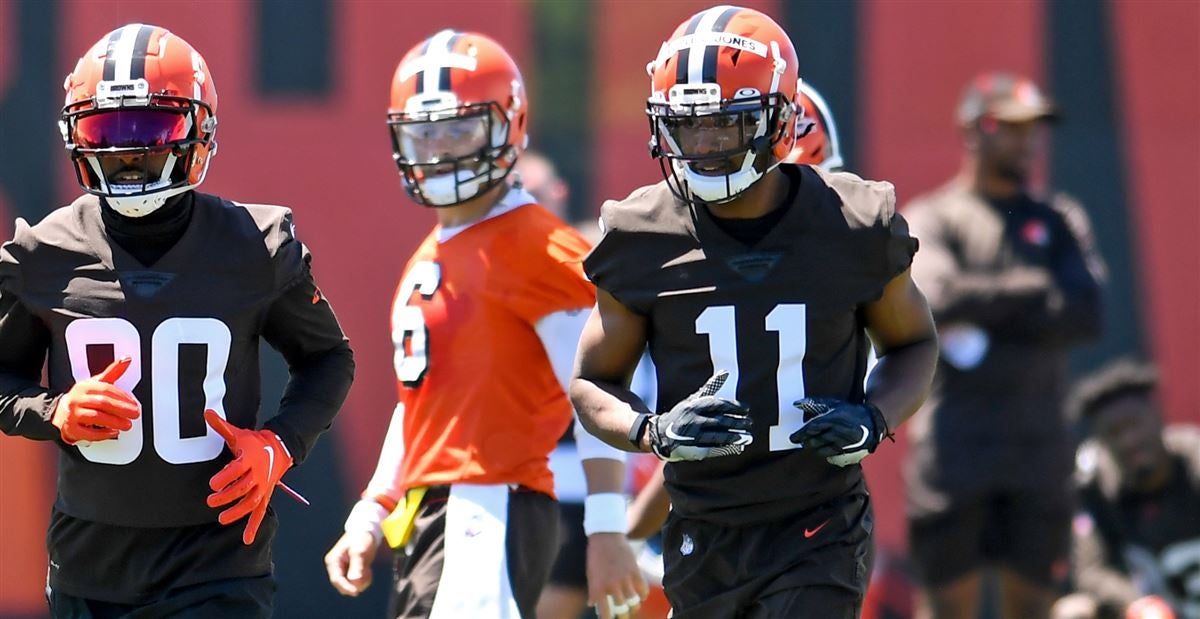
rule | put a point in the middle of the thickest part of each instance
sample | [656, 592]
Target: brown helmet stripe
[110, 56]
[444, 74]
[141, 45]
[681, 61]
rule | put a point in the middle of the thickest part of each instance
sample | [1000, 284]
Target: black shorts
[249, 598]
[811, 565]
[570, 568]
[476, 551]
[1028, 532]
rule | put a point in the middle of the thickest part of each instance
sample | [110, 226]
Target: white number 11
[789, 321]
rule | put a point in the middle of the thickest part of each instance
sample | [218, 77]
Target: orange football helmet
[722, 103]
[140, 118]
[816, 132]
[458, 117]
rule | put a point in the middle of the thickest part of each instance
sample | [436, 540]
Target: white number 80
[164, 350]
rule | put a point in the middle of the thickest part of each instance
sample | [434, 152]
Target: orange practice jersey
[481, 402]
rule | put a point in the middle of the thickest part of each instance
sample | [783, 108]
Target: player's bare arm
[616, 586]
[610, 346]
[650, 507]
[901, 326]
[902, 329]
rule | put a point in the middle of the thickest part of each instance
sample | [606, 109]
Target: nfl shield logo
[687, 546]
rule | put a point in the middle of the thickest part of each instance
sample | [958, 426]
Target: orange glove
[95, 409]
[1149, 607]
[260, 460]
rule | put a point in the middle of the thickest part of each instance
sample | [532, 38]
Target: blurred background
[303, 88]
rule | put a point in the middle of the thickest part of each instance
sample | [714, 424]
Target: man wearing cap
[1013, 280]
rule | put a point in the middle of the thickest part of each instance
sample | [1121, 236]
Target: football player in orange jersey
[463, 472]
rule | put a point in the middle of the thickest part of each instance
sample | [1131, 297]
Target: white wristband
[367, 516]
[604, 513]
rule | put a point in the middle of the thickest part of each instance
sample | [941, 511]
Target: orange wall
[1158, 65]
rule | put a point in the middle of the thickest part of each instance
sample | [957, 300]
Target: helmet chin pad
[724, 187]
[144, 204]
[453, 188]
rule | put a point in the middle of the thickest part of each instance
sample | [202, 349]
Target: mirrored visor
[124, 128]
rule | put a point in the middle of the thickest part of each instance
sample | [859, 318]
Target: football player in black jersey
[1015, 280]
[145, 301]
[755, 284]
[1136, 536]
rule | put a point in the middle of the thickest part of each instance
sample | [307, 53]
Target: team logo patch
[1036, 233]
[754, 267]
[687, 546]
[144, 284]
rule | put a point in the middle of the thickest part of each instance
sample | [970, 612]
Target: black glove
[841, 432]
[701, 426]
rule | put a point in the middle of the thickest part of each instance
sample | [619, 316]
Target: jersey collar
[516, 197]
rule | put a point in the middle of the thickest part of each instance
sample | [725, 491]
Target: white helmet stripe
[435, 56]
[196, 69]
[123, 52]
[696, 52]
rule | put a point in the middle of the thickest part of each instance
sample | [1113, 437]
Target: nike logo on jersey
[817, 529]
[862, 441]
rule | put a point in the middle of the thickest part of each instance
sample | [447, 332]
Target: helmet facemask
[711, 149]
[449, 154]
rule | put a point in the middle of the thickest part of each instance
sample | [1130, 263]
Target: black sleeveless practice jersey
[781, 316]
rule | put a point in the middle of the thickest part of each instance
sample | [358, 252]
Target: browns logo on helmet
[816, 132]
[722, 103]
[457, 117]
[140, 118]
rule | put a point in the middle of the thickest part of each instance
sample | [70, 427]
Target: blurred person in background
[566, 592]
[462, 489]
[1014, 282]
[172, 290]
[539, 176]
[1136, 552]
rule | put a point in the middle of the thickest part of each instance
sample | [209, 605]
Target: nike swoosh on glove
[841, 432]
[96, 409]
[260, 460]
[702, 426]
